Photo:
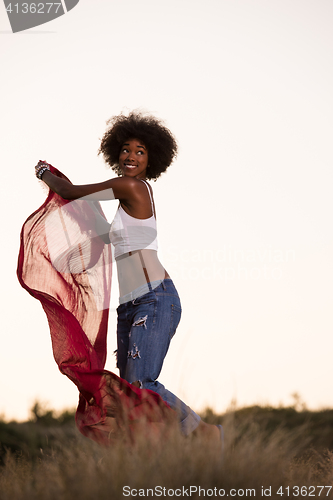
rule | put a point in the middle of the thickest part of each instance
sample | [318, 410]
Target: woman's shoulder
[126, 187]
[129, 182]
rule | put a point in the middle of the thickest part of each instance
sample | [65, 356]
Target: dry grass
[76, 468]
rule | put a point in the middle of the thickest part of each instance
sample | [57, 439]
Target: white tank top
[128, 233]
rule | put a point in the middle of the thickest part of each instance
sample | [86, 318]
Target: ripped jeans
[145, 328]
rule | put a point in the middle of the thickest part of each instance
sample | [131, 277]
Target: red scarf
[66, 266]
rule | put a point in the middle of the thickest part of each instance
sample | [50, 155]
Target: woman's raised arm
[122, 188]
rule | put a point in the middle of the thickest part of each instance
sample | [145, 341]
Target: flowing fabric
[64, 263]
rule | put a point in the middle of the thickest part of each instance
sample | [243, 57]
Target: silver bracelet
[41, 172]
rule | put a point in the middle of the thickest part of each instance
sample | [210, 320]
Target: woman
[137, 148]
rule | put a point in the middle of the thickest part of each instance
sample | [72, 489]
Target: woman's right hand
[41, 165]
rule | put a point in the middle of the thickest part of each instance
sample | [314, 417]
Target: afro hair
[161, 144]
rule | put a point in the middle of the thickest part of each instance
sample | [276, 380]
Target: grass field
[274, 452]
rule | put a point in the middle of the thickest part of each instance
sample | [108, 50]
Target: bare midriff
[137, 268]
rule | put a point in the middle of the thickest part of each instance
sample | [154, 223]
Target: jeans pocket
[147, 298]
[176, 312]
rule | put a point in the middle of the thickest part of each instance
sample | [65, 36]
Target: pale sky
[244, 213]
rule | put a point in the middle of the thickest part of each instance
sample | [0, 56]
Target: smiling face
[133, 159]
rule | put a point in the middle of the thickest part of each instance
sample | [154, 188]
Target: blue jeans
[145, 328]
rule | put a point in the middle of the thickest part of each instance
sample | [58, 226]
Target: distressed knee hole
[134, 353]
